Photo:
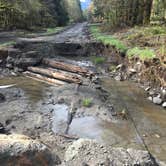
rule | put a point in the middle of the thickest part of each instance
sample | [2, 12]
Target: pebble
[157, 100]
[164, 105]
[150, 98]
[2, 129]
[147, 89]
[118, 78]
[157, 136]
[151, 93]
[132, 70]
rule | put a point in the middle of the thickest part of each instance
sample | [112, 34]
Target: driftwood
[69, 136]
[56, 74]
[43, 78]
[67, 67]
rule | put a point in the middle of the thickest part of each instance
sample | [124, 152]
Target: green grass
[53, 30]
[107, 39]
[141, 53]
[87, 102]
[156, 30]
[98, 60]
[10, 43]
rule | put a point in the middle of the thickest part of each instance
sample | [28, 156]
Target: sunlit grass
[141, 53]
[107, 39]
[87, 102]
[53, 30]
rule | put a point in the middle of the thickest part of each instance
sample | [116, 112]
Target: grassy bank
[142, 42]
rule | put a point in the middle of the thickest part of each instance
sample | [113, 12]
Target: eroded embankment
[149, 73]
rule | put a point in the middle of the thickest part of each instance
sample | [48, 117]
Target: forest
[128, 12]
[27, 14]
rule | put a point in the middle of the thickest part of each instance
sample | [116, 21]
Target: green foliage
[107, 39]
[87, 102]
[98, 60]
[73, 8]
[141, 53]
[7, 44]
[156, 30]
[53, 30]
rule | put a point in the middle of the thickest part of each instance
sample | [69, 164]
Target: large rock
[85, 151]
[21, 150]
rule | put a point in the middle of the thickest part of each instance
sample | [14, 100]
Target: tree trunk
[57, 75]
[67, 67]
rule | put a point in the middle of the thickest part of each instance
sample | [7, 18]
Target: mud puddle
[34, 90]
[149, 120]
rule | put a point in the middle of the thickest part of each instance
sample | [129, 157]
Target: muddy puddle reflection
[33, 89]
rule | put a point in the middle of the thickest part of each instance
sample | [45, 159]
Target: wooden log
[43, 78]
[67, 67]
[56, 74]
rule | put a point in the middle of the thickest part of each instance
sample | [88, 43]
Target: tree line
[127, 12]
[38, 13]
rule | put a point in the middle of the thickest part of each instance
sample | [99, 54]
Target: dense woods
[127, 12]
[29, 13]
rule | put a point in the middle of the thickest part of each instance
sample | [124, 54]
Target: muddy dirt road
[41, 111]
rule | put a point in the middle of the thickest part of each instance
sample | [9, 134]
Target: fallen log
[67, 67]
[43, 78]
[56, 74]
[69, 136]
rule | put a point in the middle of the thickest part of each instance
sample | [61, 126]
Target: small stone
[144, 135]
[157, 100]
[133, 71]
[119, 66]
[150, 98]
[164, 105]
[2, 97]
[147, 89]
[2, 129]
[151, 93]
[157, 135]
[118, 78]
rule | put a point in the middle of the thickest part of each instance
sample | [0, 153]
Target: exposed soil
[119, 119]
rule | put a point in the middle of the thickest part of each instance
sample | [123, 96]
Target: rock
[151, 93]
[2, 129]
[22, 150]
[157, 136]
[147, 88]
[164, 105]
[150, 98]
[163, 94]
[120, 67]
[157, 100]
[93, 154]
[2, 98]
[118, 78]
[138, 66]
[132, 71]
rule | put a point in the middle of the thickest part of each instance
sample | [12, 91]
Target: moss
[141, 53]
[87, 102]
[98, 60]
